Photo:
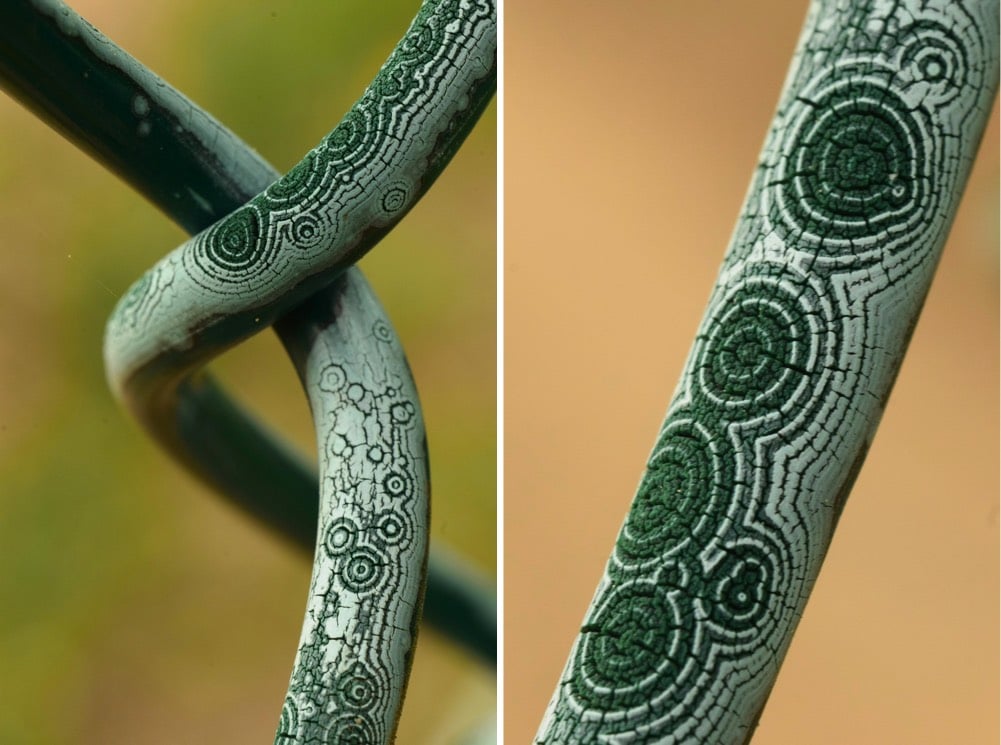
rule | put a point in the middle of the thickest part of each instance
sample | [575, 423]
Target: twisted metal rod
[346, 194]
[197, 171]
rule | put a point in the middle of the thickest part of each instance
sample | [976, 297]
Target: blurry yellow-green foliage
[134, 605]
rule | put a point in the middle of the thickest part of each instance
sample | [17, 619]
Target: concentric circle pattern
[358, 635]
[383, 333]
[392, 529]
[741, 587]
[341, 536]
[286, 257]
[680, 497]
[319, 218]
[233, 249]
[363, 570]
[797, 351]
[936, 63]
[353, 729]
[334, 379]
[765, 345]
[358, 689]
[635, 647]
[395, 198]
[855, 177]
[396, 483]
[288, 724]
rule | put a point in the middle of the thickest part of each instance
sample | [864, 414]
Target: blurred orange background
[136, 606]
[631, 132]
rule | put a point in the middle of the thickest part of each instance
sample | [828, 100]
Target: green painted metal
[831, 260]
[197, 171]
[289, 251]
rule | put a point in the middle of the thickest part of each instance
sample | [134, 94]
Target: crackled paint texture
[197, 171]
[805, 330]
[363, 177]
[361, 616]
[264, 261]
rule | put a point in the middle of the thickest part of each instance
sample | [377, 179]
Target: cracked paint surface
[225, 282]
[860, 176]
[263, 263]
[372, 538]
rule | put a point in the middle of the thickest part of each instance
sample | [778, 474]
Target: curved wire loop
[197, 171]
[279, 252]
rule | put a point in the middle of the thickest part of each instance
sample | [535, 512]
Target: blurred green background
[135, 606]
